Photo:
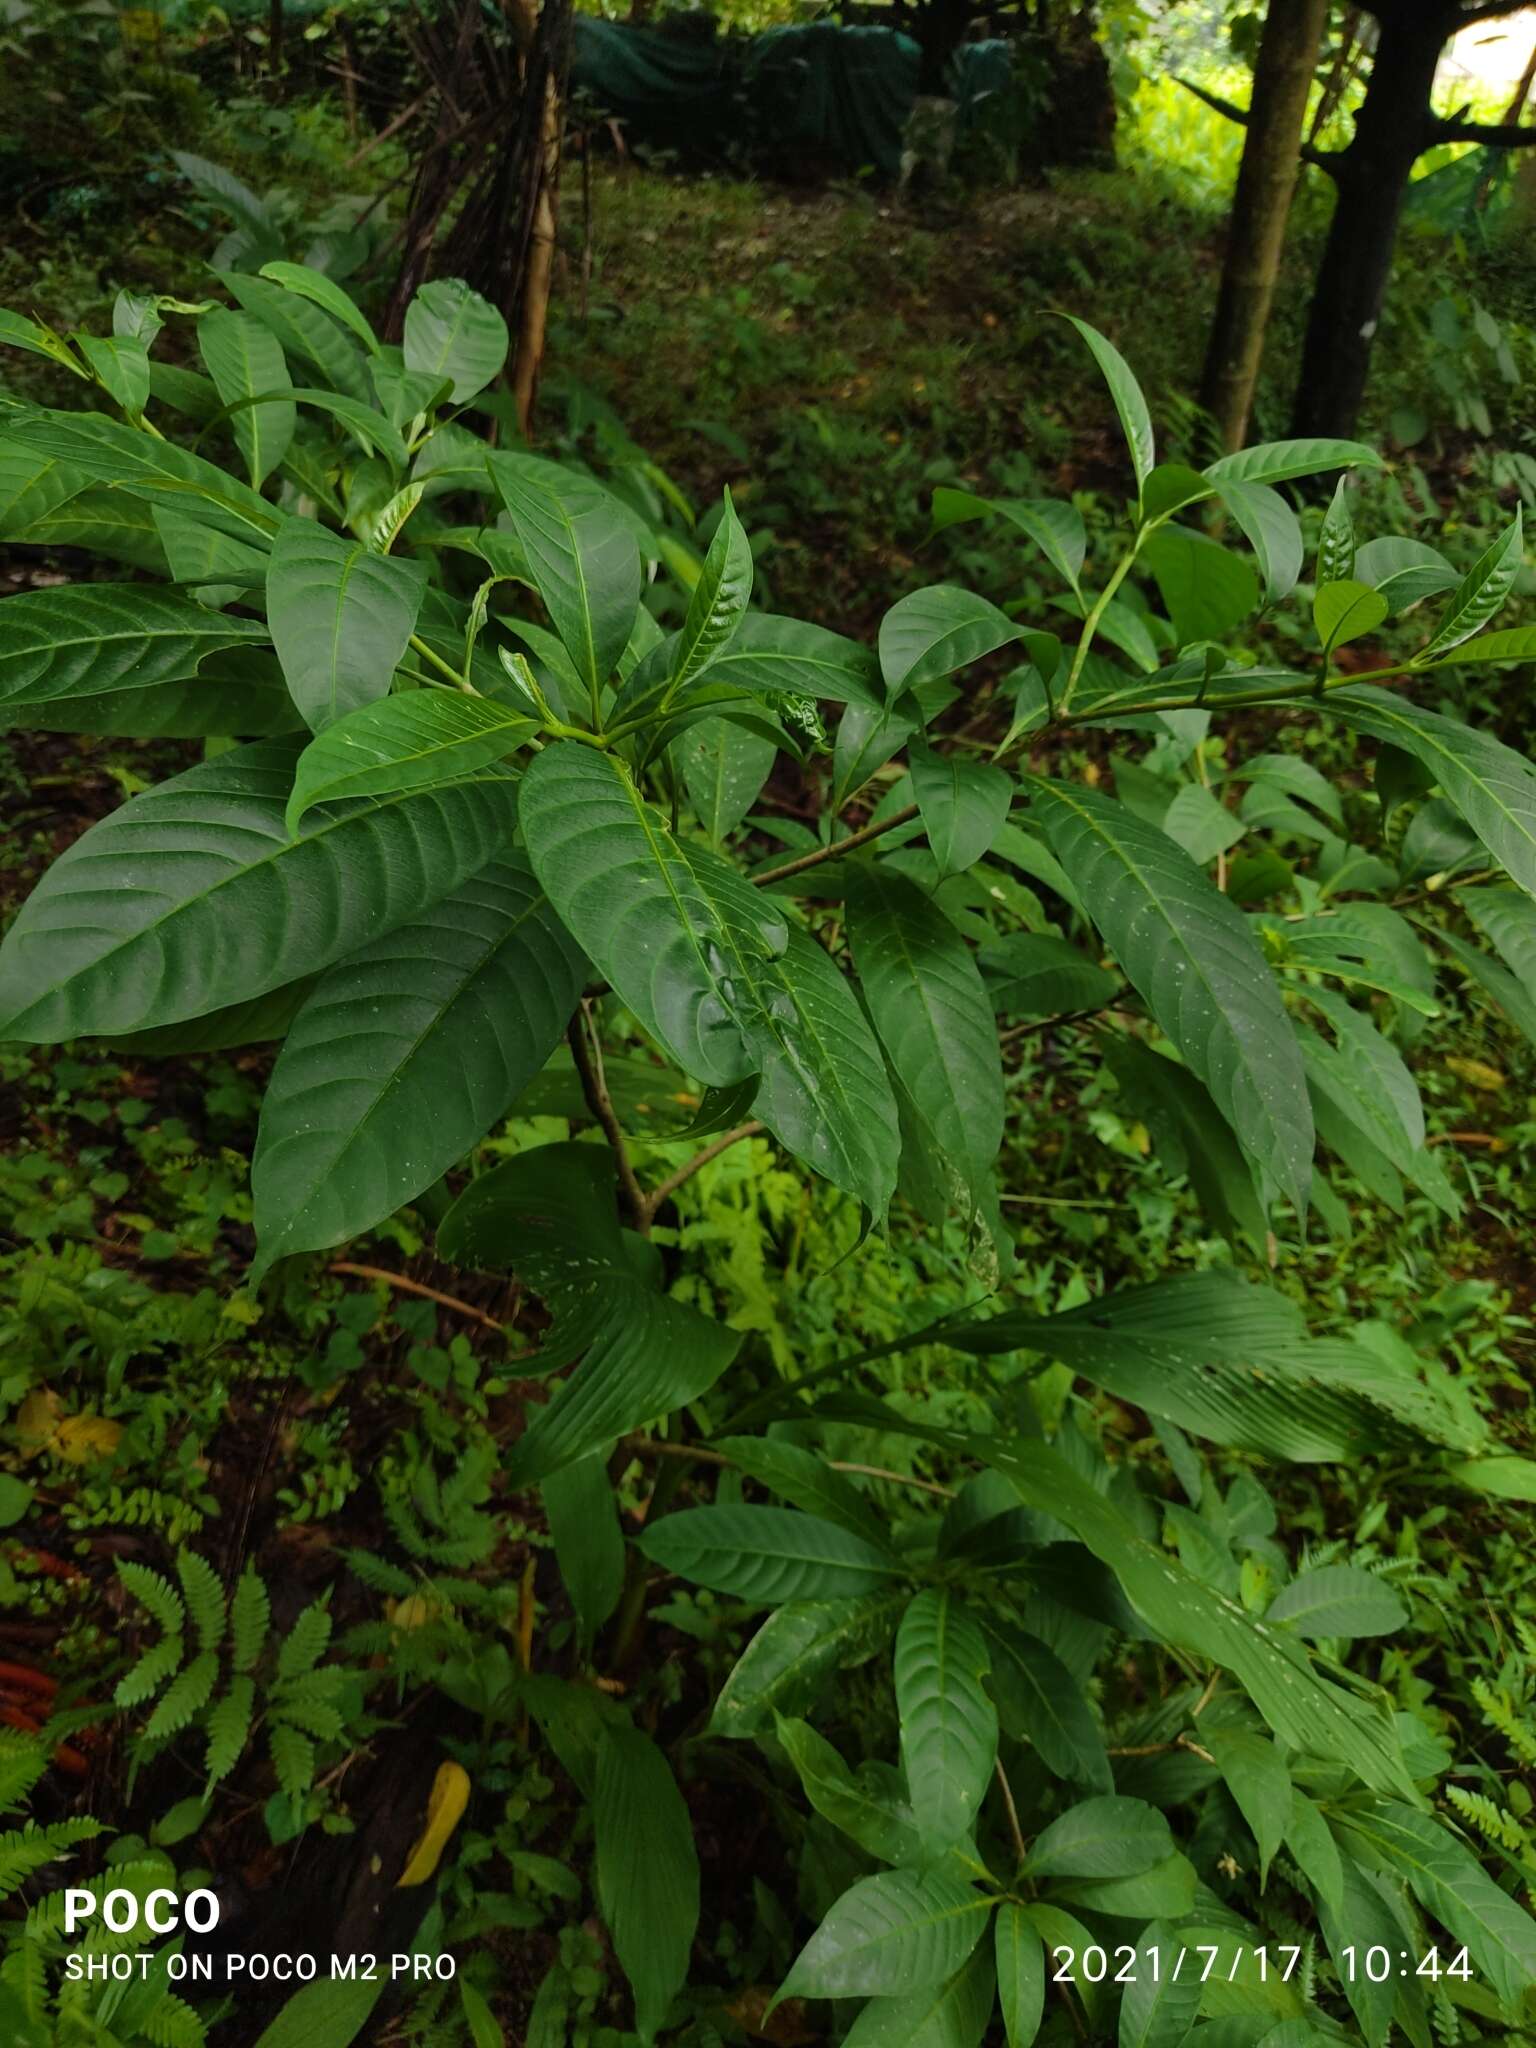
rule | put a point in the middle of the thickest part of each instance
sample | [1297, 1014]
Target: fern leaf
[311, 1712]
[171, 2023]
[1491, 1821]
[22, 1763]
[156, 1595]
[204, 1597]
[185, 1697]
[249, 1619]
[378, 1576]
[306, 1643]
[293, 1759]
[229, 1726]
[26, 1850]
[150, 1673]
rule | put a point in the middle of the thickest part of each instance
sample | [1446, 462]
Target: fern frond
[1500, 1712]
[172, 2024]
[156, 1595]
[1490, 1820]
[184, 1697]
[305, 1644]
[23, 1761]
[378, 1576]
[204, 1597]
[146, 1677]
[229, 1728]
[293, 1759]
[24, 1976]
[311, 1711]
[250, 1616]
[26, 1850]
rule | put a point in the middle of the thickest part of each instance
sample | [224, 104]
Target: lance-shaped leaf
[893, 1933]
[450, 331]
[307, 333]
[824, 1091]
[405, 742]
[1020, 1957]
[647, 1870]
[109, 657]
[870, 1804]
[933, 632]
[963, 803]
[1481, 591]
[768, 1555]
[341, 618]
[1275, 462]
[1189, 1137]
[1040, 1702]
[407, 1053]
[1339, 1600]
[949, 2015]
[1161, 2000]
[788, 1663]
[669, 923]
[724, 768]
[1193, 959]
[1272, 530]
[948, 1721]
[111, 453]
[932, 1015]
[106, 520]
[1055, 526]
[1257, 1778]
[550, 1215]
[719, 599]
[1492, 786]
[1135, 420]
[768, 656]
[220, 567]
[1336, 539]
[581, 553]
[33, 484]
[193, 896]
[583, 1519]
[323, 291]
[1404, 571]
[246, 361]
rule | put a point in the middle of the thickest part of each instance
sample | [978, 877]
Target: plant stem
[838, 847]
[588, 1057]
[1013, 1812]
[445, 668]
[685, 1172]
[1091, 623]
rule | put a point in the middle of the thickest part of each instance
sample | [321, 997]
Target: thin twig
[685, 1172]
[1013, 1812]
[463, 1308]
[895, 1478]
[588, 1057]
[653, 1447]
[837, 848]
[1036, 1024]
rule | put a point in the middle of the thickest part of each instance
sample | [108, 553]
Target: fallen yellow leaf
[81, 1439]
[445, 1809]
[1477, 1074]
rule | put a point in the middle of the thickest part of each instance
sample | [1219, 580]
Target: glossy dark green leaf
[325, 292]
[581, 552]
[1189, 1136]
[790, 1661]
[1205, 588]
[647, 1870]
[1346, 610]
[963, 803]
[724, 768]
[769, 656]
[450, 331]
[1163, 1991]
[1054, 525]
[1404, 571]
[1103, 1837]
[805, 1479]
[890, 1934]
[341, 617]
[1339, 1600]
[1020, 1959]
[406, 1054]
[1035, 974]
[1256, 1776]
[949, 2015]
[767, 1555]
[111, 453]
[193, 896]
[936, 631]
[1135, 420]
[948, 1721]
[583, 1520]
[308, 334]
[245, 361]
[1195, 963]
[405, 742]
[1275, 462]
[1039, 1702]
[550, 1214]
[719, 600]
[868, 1805]
[1482, 590]
[1272, 530]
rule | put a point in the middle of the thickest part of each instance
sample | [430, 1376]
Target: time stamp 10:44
[1127, 1965]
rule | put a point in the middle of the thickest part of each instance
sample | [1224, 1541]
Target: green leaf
[450, 331]
[948, 1721]
[724, 768]
[1035, 974]
[323, 291]
[1201, 824]
[200, 554]
[897, 1932]
[109, 657]
[788, 1662]
[120, 367]
[1166, 1892]
[110, 453]
[1135, 420]
[867, 1806]
[932, 1015]
[1205, 588]
[581, 553]
[32, 484]
[1344, 610]
[1273, 532]
[963, 803]
[1315, 1852]
[805, 1480]
[1506, 919]
[1256, 1776]
[1104, 1837]
[373, 432]
[305, 331]
[193, 897]
[1169, 488]
[669, 923]
[1055, 526]
[647, 1871]
[955, 2015]
[406, 742]
[329, 2013]
[1189, 1136]
[1481, 592]
[1161, 1999]
[1515, 643]
[106, 521]
[1195, 963]
[1448, 1882]
[407, 1053]
[1039, 1702]
[1404, 571]
[719, 601]
[1275, 462]
[767, 1555]
[1339, 1600]
[245, 360]
[934, 632]
[1020, 1959]
[550, 1214]
[1336, 539]
[1493, 787]
[772, 657]
[341, 617]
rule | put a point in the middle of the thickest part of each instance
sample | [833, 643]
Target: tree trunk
[1391, 130]
[1266, 183]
